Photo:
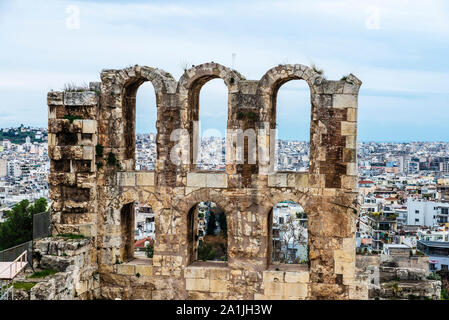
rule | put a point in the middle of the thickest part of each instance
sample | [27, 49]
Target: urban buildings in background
[24, 165]
[404, 190]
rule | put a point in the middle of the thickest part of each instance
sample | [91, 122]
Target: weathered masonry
[94, 185]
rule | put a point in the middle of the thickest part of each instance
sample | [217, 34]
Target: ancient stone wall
[93, 180]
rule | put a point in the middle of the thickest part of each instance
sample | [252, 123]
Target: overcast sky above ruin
[399, 49]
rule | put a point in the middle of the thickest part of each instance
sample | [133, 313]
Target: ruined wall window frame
[271, 264]
[193, 238]
[194, 92]
[129, 110]
[273, 121]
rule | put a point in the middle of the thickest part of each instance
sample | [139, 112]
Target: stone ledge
[289, 179]
[83, 98]
[145, 179]
[342, 101]
[126, 179]
[207, 179]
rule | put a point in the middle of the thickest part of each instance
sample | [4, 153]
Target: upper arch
[274, 78]
[162, 81]
[197, 76]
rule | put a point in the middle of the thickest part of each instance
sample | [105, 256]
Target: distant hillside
[15, 135]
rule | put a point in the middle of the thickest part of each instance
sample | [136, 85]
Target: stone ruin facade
[93, 185]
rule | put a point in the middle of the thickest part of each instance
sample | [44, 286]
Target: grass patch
[317, 70]
[72, 118]
[71, 236]
[42, 274]
[72, 87]
[24, 285]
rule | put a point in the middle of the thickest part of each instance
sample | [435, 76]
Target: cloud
[406, 58]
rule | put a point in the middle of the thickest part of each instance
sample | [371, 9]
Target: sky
[399, 49]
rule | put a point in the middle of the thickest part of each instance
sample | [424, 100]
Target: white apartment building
[426, 213]
[3, 168]
[13, 169]
[281, 214]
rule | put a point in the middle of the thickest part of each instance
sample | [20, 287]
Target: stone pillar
[333, 176]
[72, 137]
[243, 116]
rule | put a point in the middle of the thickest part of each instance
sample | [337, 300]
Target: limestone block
[55, 98]
[195, 273]
[51, 139]
[55, 152]
[352, 114]
[219, 274]
[197, 284]
[126, 179]
[87, 230]
[88, 153]
[51, 113]
[216, 180]
[297, 276]
[126, 269]
[349, 244]
[277, 180]
[267, 297]
[258, 296]
[344, 255]
[341, 267]
[341, 101]
[274, 288]
[195, 179]
[351, 142]
[351, 169]
[89, 126]
[349, 182]
[82, 98]
[297, 180]
[144, 270]
[273, 276]
[297, 290]
[144, 179]
[348, 128]
[218, 285]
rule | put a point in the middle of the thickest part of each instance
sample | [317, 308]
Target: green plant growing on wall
[112, 160]
[72, 87]
[99, 150]
[250, 115]
[72, 118]
[99, 164]
[149, 250]
[317, 70]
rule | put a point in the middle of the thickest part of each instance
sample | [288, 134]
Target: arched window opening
[207, 233]
[288, 234]
[139, 124]
[146, 117]
[292, 108]
[213, 116]
[144, 231]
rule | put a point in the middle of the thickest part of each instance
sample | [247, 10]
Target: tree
[211, 224]
[291, 234]
[18, 226]
[223, 224]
